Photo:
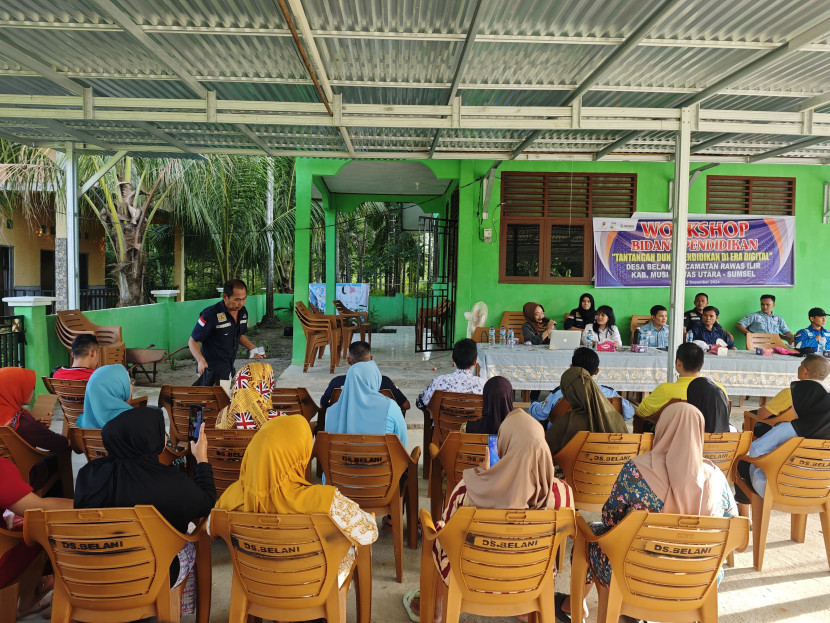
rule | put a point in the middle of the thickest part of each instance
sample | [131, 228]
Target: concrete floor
[794, 586]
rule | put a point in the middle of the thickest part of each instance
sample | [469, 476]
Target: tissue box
[605, 347]
[764, 352]
[639, 348]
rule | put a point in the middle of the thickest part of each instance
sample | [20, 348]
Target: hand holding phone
[199, 448]
[195, 422]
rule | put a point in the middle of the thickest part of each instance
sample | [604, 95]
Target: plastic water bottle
[589, 338]
[502, 335]
[821, 344]
[492, 340]
[690, 336]
[510, 338]
[644, 338]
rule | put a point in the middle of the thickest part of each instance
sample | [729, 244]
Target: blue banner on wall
[735, 251]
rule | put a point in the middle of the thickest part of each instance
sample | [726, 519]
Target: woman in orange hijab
[17, 387]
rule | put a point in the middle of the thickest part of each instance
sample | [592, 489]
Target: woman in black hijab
[131, 474]
[498, 402]
[705, 394]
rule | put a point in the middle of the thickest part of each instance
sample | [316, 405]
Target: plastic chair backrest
[449, 410]
[24, 456]
[281, 563]
[461, 451]
[335, 394]
[763, 340]
[311, 322]
[591, 463]
[177, 401]
[88, 442]
[110, 564]
[638, 321]
[365, 468]
[513, 320]
[670, 562]
[113, 354]
[723, 448]
[72, 322]
[70, 396]
[503, 556]
[799, 474]
[226, 448]
[563, 406]
[292, 400]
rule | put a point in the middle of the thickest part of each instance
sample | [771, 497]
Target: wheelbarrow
[137, 358]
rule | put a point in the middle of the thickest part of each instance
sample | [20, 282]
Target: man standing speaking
[221, 329]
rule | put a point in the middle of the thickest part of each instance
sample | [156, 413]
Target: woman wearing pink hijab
[685, 484]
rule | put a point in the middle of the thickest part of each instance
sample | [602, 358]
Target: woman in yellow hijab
[272, 480]
[251, 393]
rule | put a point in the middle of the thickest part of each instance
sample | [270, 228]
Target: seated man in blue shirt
[589, 360]
[765, 321]
[656, 330]
[806, 340]
[709, 331]
[811, 402]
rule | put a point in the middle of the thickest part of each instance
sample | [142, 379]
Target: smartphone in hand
[194, 422]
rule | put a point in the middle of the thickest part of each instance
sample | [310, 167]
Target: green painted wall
[479, 261]
[392, 310]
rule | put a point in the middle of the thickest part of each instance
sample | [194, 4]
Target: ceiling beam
[113, 160]
[608, 64]
[27, 60]
[813, 102]
[13, 138]
[255, 139]
[807, 142]
[711, 142]
[319, 68]
[626, 138]
[169, 57]
[797, 42]
[164, 136]
[76, 133]
[472, 31]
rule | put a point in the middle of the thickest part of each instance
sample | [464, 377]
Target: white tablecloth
[535, 367]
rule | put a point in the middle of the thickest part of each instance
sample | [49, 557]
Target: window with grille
[765, 196]
[546, 229]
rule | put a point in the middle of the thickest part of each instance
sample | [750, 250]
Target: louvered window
[546, 222]
[765, 196]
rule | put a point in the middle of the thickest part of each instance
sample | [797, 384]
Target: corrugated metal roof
[397, 59]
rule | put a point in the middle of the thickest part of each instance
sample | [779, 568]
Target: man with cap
[807, 339]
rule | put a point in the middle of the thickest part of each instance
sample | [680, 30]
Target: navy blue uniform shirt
[219, 335]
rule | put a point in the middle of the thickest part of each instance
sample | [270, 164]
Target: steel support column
[70, 170]
[680, 220]
[269, 225]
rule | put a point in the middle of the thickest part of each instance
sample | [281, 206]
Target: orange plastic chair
[591, 463]
[513, 320]
[563, 406]
[763, 340]
[72, 322]
[798, 482]
[368, 469]
[446, 412]
[285, 567]
[176, 400]
[432, 319]
[361, 319]
[291, 400]
[459, 452]
[226, 448]
[70, 397]
[319, 333]
[665, 566]
[25, 457]
[501, 562]
[111, 564]
[87, 441]
[28, 578]
[751, 419]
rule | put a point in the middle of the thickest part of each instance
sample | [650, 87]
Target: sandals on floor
[561, 616]
[407, 604]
